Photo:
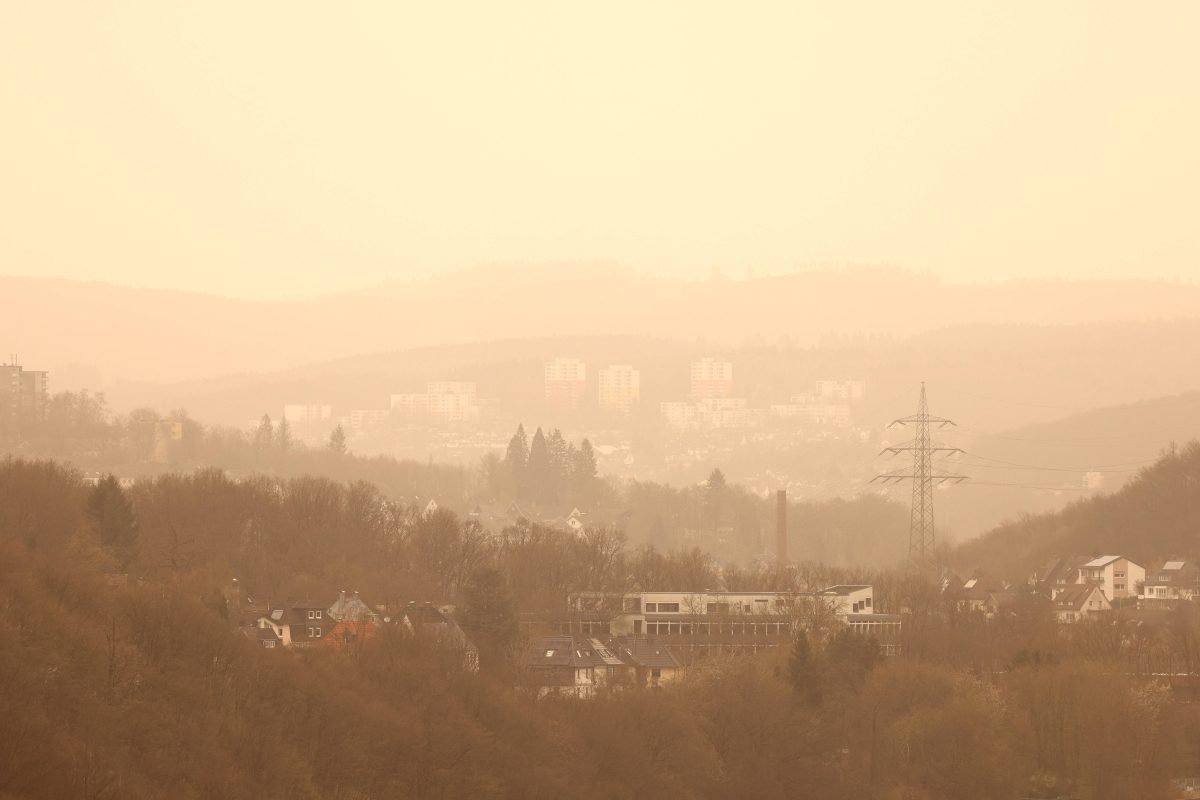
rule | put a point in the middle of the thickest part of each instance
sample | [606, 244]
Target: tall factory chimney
[781, 553]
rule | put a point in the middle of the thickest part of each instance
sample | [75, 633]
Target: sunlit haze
[274, 149]
[778, 400]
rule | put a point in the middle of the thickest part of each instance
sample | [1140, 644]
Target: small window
[668, 607]
[310, 615]
[318, 615]
[310, 633]
[268, 643]
[651, 607]
[318, 633]
[867, 602]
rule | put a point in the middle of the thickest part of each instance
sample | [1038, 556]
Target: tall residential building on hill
[445, 401]
[620, 388]
[711, 378]
[24, 398]
[565, 382]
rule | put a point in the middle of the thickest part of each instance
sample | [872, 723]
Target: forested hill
[1156, 515]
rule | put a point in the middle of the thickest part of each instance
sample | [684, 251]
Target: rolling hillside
[1155, 516]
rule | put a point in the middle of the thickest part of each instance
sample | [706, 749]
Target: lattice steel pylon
[921, 538]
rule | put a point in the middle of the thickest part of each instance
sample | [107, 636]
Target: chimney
[781, 553]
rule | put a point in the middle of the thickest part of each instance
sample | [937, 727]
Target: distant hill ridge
[147, 334]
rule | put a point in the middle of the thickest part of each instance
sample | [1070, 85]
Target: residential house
[297, 625]
[264, 637]
[349, 633]
[569, 665]
[1117, 576]
[974, 594]
[1056, 575]
[1079, 602]
[652, 663]
[1172, 582]
[351, 607]
[426, 619]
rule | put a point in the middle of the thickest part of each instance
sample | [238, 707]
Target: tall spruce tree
[539, 473]
[516, 458]
[283, 436]
[264, 434]
[337, 440]
[114, 520]
[560, 466]
[585, 465]
[804, 673]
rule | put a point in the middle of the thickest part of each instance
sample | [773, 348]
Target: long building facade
[698, 625]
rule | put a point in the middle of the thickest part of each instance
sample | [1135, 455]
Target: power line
[1044, 469]
[1008, 402]
[1094, 441]
[1092, 468]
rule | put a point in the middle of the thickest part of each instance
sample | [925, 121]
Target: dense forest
[547, 475]
[142, 687]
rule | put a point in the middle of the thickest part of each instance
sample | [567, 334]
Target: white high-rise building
[620, 387]
[306, 413]
[447, 401]
[565, 382]
[711, 378]
[841, 390]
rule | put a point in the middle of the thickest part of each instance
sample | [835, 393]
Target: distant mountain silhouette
[131, 334]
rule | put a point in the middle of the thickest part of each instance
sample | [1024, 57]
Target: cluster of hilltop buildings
[1080, 587]
[601, 641]
[347, 622]
[711, 401]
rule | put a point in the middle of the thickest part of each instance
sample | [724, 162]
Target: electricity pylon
[921, 538]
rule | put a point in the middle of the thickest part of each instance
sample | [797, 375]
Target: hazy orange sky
[286, 148]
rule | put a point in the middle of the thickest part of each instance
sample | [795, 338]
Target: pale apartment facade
[24, 398]
[841, 389]
[711, 378]
[664, 613]
[565, 380]
[713, 412]
[620, 388]
[1116, 576]
[444, 401]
